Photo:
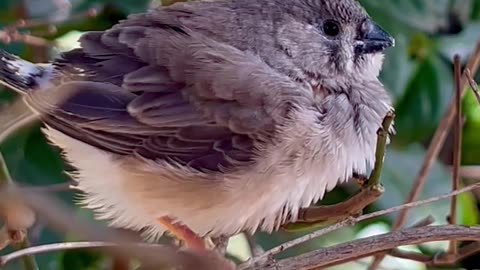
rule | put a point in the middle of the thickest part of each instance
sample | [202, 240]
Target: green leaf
[470, 141]
[475, 10]
[6, 10]
[425, 99]
[467, 208]
[398, 67]
[80, 260]
[398, 176]
[407, 15]
[462, 43]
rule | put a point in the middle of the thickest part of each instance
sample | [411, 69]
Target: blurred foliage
[417, 72]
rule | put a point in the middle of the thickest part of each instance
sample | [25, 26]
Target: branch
[8, 37]
[276, 250]
[115, 242]
[365, 247]
[48, 248]
[457, 152]
[152, 254]
[15, 117]
[61, 187]
[17, 218]
[11, 34]
[382, 137]
[473, 84]
[438, 261]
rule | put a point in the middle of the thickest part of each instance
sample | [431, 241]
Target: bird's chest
[337, 133]
[322, 148]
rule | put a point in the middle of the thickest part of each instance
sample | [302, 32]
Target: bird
[213, 117]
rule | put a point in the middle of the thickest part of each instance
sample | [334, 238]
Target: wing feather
[159, 90]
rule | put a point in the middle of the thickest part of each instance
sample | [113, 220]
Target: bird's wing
[161, 91]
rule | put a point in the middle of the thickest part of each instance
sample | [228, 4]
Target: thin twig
[433, 150]
[364, 247]
[409, 255]
[158, 255]
[468, 171]
[48, 248]
[22, 24]
[330, 214]
[414, 256]
[52, 188]
[424, 222]
[15, 36]
[457, 152]
[59, 217]
[29, 262]
[276, 250]
[11, 34]
[382, 137]
[15, 117]
[17, 123]
[463, 252]
[365, 263]
[473, 84]
[5, 177]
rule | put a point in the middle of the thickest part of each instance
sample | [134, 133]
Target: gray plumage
[251, 107]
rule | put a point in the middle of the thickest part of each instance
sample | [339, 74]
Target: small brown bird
[222, 116]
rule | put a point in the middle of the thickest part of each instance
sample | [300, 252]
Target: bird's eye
[331, 28]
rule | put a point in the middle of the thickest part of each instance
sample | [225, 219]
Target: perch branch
[276, 250]
[154, 255]
[48, 248]
[365, 247]
[382, 137]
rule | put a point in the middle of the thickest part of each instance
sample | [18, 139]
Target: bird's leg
[221, 243]
[362, 180]
[329, 214]
[183, 233]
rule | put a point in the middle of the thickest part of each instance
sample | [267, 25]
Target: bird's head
[333, 39]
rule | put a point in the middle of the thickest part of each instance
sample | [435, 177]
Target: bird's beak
[373, 39]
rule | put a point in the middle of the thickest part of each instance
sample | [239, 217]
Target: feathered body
[226, 115]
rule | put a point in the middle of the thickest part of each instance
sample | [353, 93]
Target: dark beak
[373, 39]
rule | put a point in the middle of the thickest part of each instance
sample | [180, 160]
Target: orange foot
[182, 232]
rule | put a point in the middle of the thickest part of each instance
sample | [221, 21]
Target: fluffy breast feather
[293, 172]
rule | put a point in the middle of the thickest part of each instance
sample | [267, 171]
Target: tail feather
[21, 75]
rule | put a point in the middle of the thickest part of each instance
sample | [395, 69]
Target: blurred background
[417, 72]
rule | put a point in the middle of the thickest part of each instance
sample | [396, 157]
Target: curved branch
[269, 254]
[59, 247]
[154, 255]
[365, 247]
